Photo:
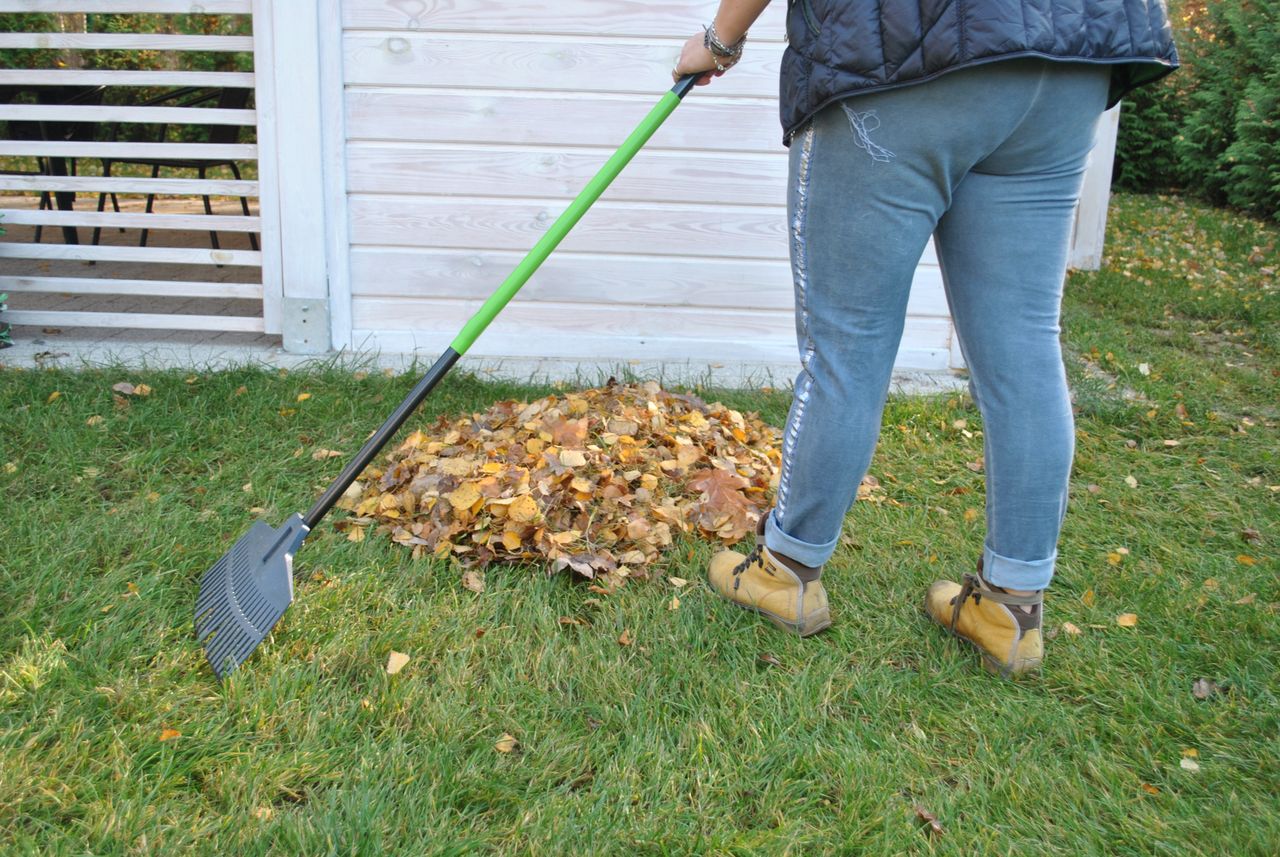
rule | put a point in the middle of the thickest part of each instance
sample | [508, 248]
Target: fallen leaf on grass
[93, 420]
[677, 582]
[1204, 688]
[1127, 620]
[1249, 534]
[1131, 482]
[53, 397]
[624, 639]
[302, 397]
[1245, 559]
[127, 389]
[396, 662]
[322, 454]
[473, 580]
[1189, 765]
[1071, 629]
[506, 744]
[10, 467]
[771, 660]
[675, 603]
[1150, 789]
[1248, 599]
[1087, 598]
[167, 734]
[926, 817]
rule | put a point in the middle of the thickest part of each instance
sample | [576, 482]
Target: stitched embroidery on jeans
[798, 226]
[863, 124]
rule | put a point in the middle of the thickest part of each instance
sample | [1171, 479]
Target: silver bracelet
[711, 41]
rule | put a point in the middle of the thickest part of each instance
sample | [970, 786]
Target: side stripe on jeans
[798, 225]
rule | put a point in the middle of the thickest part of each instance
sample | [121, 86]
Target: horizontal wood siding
[471, 125]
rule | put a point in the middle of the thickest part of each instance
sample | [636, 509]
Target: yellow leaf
[524, 509]
[53, 397]
[675, 603]
[10, 467]
[93, 420]
[1087, 598]
[970, 515]
[167, 734]
[1131, 482]
[464, 496]
[1150, 789]
[506, 744]
[1071, 629]
[302, 397]
[1191, 752]
[1245, 559]
[511, 540]
[1127, 620]
[1114, 558]
[142, 390]
[355, 534]
[624, 639]
[396, 662]
[322, 454]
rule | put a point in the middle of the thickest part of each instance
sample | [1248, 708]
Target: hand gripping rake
[246, 592]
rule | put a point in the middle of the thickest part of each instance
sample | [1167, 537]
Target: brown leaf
[1248, 599]
[624, 639]
[926, 817]
[771, 660]
[1071, 629]
[1150, 789]
[1249, 534]
[473, 580]
[322, 454]
[507, 743]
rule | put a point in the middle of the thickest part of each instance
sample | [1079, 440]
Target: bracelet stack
[725, 56]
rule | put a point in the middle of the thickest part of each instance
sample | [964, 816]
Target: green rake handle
[503, 295]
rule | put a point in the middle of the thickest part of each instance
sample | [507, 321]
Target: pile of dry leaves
[594, 481]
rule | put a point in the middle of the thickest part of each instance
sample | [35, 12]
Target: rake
[247, 590]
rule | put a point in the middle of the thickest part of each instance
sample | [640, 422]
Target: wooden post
[1091, 214]
[295, 272]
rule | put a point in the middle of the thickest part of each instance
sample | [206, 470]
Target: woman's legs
[871, 179]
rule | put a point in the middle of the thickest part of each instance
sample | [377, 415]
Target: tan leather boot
[760, 581]
[1009, 639]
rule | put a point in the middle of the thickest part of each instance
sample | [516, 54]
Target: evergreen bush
[1213, 128]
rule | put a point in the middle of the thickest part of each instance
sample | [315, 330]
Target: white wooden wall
[469, 126]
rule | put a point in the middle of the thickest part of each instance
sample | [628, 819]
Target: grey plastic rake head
[246, 592]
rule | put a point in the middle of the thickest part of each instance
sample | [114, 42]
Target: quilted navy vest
[839, 48]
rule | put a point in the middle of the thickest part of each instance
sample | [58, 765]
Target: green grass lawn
[116, 739]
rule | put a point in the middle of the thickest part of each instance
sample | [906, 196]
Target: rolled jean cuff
[1017, 573]
[802, 552]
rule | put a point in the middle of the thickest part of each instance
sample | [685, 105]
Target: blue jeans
[989, 161]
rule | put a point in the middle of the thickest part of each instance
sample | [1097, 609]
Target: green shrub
[1213, 128]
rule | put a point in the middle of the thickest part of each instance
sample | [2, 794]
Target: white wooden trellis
[199, 256]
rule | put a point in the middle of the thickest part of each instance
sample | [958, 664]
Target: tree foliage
[1213, 128]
